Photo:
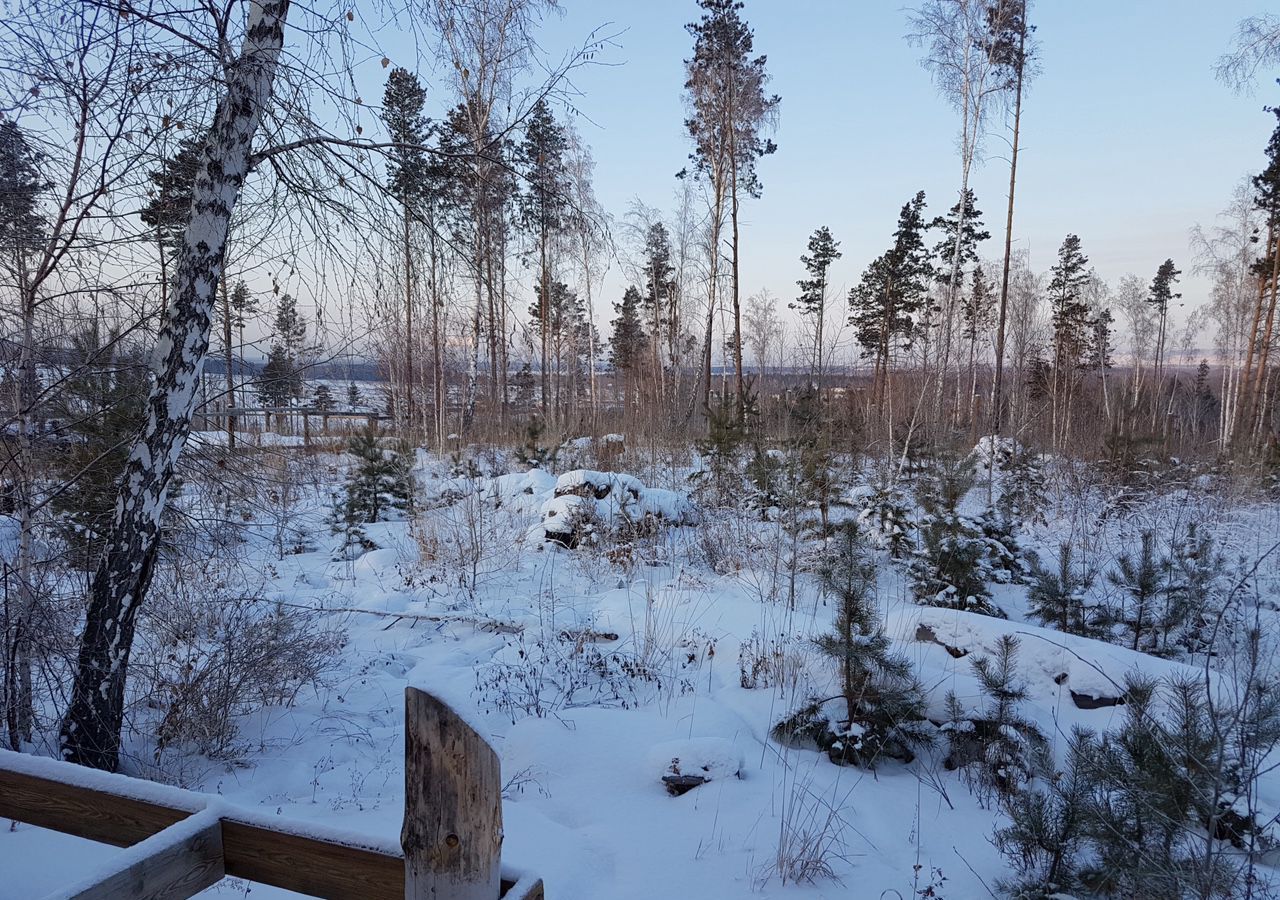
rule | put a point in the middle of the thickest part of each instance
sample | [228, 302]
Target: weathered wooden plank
[452, 833]
[309, 865]
[83, 811]
[173, 864]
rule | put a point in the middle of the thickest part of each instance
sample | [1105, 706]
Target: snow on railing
[180, 842]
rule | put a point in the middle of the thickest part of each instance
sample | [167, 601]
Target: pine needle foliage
[883, 703]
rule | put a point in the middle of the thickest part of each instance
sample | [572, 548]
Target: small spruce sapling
[888, 513]
[1000, 745]
[721, 451]
[1142, 578]
[883, 703]
[1043, 841]
[950, 568]
[322, 400]
[380, 486]
[534, 453]
[1057, 597]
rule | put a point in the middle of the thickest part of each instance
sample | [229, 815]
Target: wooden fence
[181, 842]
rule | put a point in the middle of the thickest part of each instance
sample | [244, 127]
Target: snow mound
[708, 758]
[585, 499]
[376, 564]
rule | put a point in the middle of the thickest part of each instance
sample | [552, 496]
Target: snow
[250, 438]
[709, 758]
[582, 754]
[10, 537]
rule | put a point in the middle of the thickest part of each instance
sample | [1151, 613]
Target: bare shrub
[212, 654]
[554, 672]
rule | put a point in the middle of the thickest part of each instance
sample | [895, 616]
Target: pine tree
[976, 320]
[380, 484]
[354, 400]
[280, 382]
[544, 212]
[1057, 598]
[1100, 343]
[290, 328]
[812, 302]
[1193, 591]
[659, 301]
[950, 568]
[972, 233]
[891, 293]
[243, 307]
[1046, 832]
[563, 326]
[627, 344]
[100, 407]
[323, 402]
[1010, 47]
[22, 226]
[721, 452]
[1142, 578]
[1070, 313]
[1000, 744]
[169, 205]
[1147, 781]
[884, 705]
[1160, 296]
[1071, 331]
[402, 104]
[730, 113]
[1266, 199]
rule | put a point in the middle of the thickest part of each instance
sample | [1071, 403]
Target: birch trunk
[90, 733]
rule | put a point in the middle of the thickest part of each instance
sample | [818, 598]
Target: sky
[1128, 140]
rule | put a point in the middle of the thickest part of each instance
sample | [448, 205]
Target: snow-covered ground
[594, 671]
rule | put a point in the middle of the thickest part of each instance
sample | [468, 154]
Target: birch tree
[90, 733]
[955, 34]
[1225, 252]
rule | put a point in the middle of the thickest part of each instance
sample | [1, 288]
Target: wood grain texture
[85, 812]
[452, 833]
[310, 866]
[177, 868]
[458, 792]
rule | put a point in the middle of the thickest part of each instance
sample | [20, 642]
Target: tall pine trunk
[997, 400]
[739, 383]
[18, 690]
[717, 220]
[90, 733]
[228, 361]
[408, 316]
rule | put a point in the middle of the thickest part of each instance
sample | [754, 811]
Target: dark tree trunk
[997, 387]
[91, 730]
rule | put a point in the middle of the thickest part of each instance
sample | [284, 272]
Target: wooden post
[452, 834]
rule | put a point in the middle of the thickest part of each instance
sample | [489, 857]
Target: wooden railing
[181, 842]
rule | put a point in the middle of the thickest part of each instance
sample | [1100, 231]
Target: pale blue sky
[1128, 140]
